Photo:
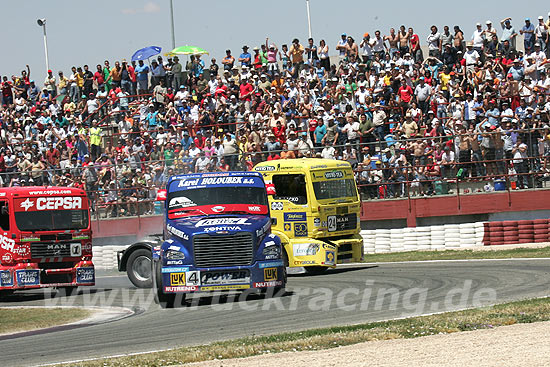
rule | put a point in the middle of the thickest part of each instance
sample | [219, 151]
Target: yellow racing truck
[315, 209]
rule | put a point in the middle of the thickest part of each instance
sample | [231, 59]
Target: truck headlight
[174, 255]
[272, 252]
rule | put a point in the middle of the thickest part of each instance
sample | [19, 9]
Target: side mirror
[5, 211]
[274, 221]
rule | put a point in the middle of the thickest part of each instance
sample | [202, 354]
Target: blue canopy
[146, 53]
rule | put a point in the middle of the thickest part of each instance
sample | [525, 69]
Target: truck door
[289, 204]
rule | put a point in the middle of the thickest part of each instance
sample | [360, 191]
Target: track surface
[446, 286]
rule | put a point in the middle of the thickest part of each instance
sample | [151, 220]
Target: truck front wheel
[138, 268]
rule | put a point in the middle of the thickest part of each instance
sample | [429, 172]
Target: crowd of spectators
[472, 107]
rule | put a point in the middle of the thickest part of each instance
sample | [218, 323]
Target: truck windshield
[334, 189]
[51, 220]
[223, 195]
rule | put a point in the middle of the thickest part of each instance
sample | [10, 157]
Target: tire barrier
[105, 257]
[456, 236]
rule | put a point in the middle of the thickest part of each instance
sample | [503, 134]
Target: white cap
[540, 17]
[488, 22]
[478, 24]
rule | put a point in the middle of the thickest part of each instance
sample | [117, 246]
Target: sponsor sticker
[271, 264]
[28, 277]
[295, 217]
[305, 249]
[52, 203]
[270, 274]
[307, 262]
[221, 222]
[7, 243]
[175, 269]
[274, 283]
[225, 287]
[330, 258]
[6, 279]
[287, 226]
[177, 278]
[300, 229]
[316, 222]
[334, 174]
[85, 275]
[181, 289]
[173, 262]
[225, 277]
[277, 205]
[265, 168]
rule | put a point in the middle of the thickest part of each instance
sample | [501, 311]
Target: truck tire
[316, 270]
[165, 300]
[138, 268]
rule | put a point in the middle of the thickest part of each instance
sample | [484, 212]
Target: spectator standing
[528, 32]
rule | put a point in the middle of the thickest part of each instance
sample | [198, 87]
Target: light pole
[172, 24]
[308, 19]
[42, 23]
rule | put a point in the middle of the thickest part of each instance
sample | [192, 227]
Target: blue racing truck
[217, 237]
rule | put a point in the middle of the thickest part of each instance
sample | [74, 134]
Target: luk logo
[177, 279]
[270, 274]
[27, 204]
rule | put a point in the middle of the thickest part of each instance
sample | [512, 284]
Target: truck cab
[45, 239]
[217, 236]
[315, 208]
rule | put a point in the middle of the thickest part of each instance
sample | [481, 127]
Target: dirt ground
[516, 345]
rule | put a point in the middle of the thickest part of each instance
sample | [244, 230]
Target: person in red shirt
[99, 77]
[199, 140]
[245, 92]
[279, 132]
[7, 92]
[405, 94]
[52, 156]
[415, 47]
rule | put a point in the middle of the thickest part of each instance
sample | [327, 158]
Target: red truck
[45, 239]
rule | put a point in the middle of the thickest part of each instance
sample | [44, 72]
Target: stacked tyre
[368, 240]
[467, 235]
[510, 231]
[382, 241]
[486, 234]
[480, 233]
[97, 257]
[423, 238]
[437, 238]
[396, 239]
[410, 239]
[526, 232]
[540, 230]
[452, 236]
[496, 233]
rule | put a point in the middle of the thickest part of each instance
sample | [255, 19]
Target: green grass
[526, 311]
[24, 319]
[459, 255]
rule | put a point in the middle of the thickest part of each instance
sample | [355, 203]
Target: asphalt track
[421, 288]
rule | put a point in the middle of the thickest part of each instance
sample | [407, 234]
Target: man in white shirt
[471, 57]
[477, 39]
[434, 43]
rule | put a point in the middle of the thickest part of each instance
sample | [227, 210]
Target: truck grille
[223, 250]
[346, 222]
[39, 249]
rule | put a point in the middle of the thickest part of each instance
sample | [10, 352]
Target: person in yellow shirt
[79, 78]
[95, 140]
[445, 76]
[63, 83]
[297, 56]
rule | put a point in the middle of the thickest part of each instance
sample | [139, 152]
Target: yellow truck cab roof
[301, 164]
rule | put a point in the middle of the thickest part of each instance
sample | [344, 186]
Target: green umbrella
[188, 50]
